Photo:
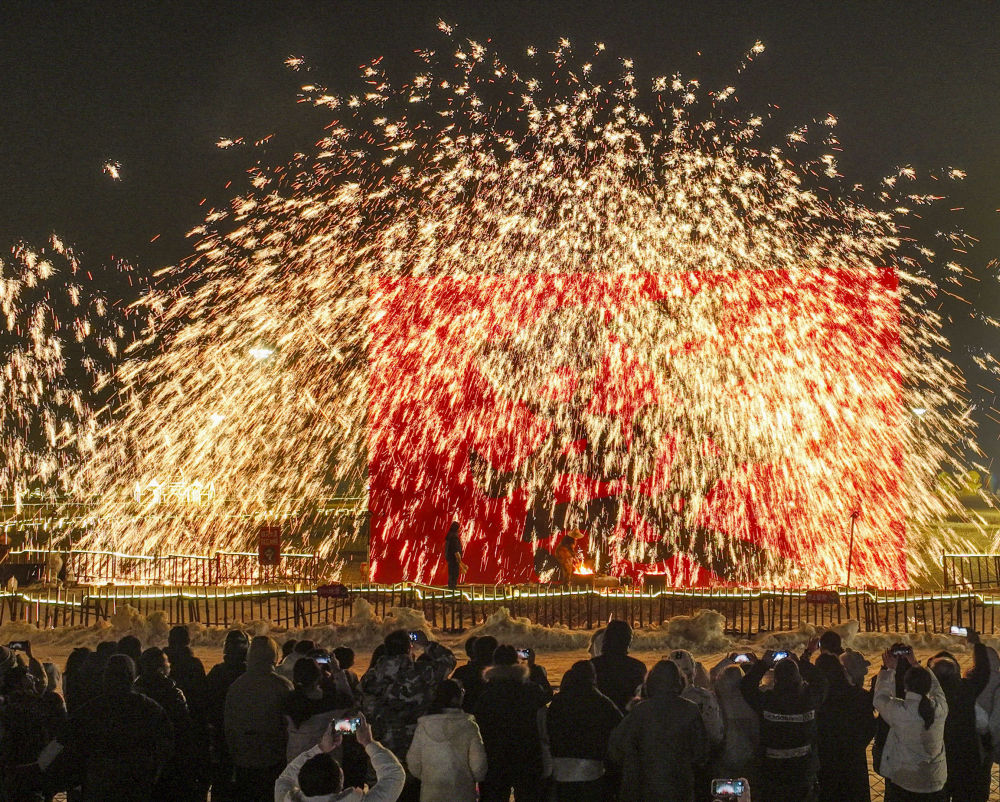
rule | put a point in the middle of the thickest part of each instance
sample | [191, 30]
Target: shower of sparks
[57, 347]
[254, 370]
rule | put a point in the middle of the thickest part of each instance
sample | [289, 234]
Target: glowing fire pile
[256, 367]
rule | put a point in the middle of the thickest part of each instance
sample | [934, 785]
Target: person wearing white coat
[314, 776]
[913, 761]
[447, 753]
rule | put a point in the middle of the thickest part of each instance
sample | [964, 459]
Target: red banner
[740, 449]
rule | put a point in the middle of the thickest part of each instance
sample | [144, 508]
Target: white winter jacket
[389, 775]
[914, 757]
[447, 756]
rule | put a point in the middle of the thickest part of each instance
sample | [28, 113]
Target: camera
[346, 726]
[962, 632]
[728, 789]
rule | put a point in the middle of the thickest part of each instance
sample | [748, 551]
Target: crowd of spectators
[299, 725]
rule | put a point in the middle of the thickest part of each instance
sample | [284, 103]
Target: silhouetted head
[505, 655]
[304, 646]
[664, 678]
[345, 657]
[581, 676]
[237, 643]
[617, 638]
[469, 643]
[831, 642]
[131, 646]
[321, 776]
[397, 642]
[154, 661]
[448, 694]
[452, 530]
[787, 676]
[306, 673]
[179, 637]
[118, 675]
[482, 651]
[288, 647]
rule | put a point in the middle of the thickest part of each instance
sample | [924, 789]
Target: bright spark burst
[113, 169]
[474, 170]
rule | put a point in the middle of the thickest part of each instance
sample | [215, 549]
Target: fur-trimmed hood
[515, 673]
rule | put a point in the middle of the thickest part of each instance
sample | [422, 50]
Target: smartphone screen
[346, 725]
[741, 658]
[730, 787]
[780, 656]
[960, 631]
[523, 653]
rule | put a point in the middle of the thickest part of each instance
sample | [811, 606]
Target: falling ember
[542, 303]
[114, 169]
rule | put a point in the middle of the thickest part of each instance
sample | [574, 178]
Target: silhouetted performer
[453, 554]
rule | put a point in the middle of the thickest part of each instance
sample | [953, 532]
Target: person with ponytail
[913, 761]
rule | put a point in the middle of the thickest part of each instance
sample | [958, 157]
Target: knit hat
[855, 665]
[685, 662]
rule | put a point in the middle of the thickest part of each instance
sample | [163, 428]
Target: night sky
[154, 86]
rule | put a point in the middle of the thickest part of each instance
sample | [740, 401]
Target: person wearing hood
[181, 777]
[618, 675]
[708, 705]
[307, 710]
[117, 743]
[788, 728]
[738, 756]
[913, 760]
[217, 683]
[471, 674]
[845, 725]
[968, 762]
[186, 670]
[254, 724]
[660, 741]
[447, 754]
[315, 775]
[507, 714]
[576, 729]
[398, 690]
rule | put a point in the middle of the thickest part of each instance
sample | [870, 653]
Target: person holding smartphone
[787, 729]
[317, 776]
[913, 760]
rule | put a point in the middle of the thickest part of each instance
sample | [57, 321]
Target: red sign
[335, 590]
[822, 597]
[269, 545]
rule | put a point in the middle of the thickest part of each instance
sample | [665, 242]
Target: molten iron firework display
[687, 424]
[608, 325]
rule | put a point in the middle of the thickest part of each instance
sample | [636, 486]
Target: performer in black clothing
[453, 554]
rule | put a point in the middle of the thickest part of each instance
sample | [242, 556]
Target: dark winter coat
[120, 743]
[254, 724]
[579, 722]
[398, 690]
[962, 744]
[787, 727]
[618, 677]
[182, 774]
[845, 725]
[471, 677]
[188, 674]
[658, 745]
[507, 714]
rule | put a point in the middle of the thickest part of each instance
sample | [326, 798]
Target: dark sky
[155, 85]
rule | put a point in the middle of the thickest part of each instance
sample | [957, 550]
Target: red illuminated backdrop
[827, 347]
